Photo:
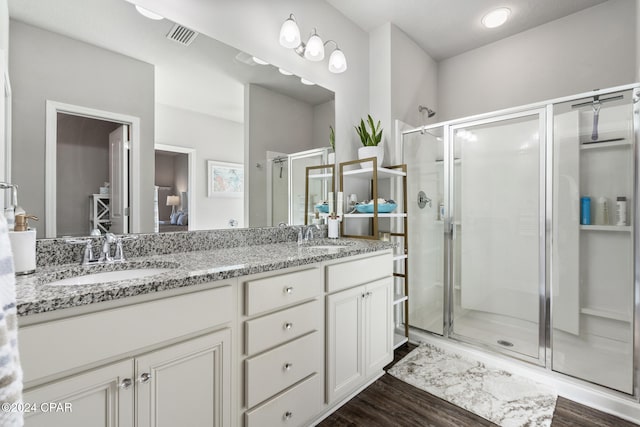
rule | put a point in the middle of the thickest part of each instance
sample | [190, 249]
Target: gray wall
[47, 66]
[274, 122]
[83, 151]
[164, 177]
[323, 117]
[591, 49]
[212, 138]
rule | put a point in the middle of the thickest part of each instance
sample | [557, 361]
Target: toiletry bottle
[621, 211]
[585, 210]
[334, 226]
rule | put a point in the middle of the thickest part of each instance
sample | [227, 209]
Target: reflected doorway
[174, 204]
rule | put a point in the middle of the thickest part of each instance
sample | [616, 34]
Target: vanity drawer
[275, 370]
[273, 292]
[356, 272]
[274, 329]
[292, 408]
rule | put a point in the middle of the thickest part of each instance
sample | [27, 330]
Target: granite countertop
[34, 295]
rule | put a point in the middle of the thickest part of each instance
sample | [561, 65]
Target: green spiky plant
[332, 137]
[372, 136]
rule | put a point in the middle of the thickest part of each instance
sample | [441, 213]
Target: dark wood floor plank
[391, 402]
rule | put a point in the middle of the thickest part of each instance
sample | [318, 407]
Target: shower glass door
[423, 153]
[497, 229]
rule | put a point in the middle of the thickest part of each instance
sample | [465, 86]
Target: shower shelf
[380, 215]
[398, 298]
[607, 314]
[400, 257]
[619, 142]
[623, 228]
[321, 176]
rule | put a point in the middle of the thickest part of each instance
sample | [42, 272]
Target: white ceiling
[204, 77]
[445, 28]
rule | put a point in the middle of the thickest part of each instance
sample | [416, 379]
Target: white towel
[10, 370]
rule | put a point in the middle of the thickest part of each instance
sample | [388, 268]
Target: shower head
[429, 111]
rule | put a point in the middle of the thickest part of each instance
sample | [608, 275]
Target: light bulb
[315, 48]
[259, 61]
[337, 62]
[290, 33]
[148, 14]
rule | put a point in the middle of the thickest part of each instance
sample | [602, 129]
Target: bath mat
[494, 394]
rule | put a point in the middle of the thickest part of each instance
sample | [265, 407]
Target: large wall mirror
[149, 121]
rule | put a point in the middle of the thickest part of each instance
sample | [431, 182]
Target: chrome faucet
[87, 257]
[105, 255]
[306, 234]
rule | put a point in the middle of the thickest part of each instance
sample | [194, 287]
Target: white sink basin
[109, 276]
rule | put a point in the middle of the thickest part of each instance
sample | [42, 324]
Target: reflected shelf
[380, 215]
[398, 298]
[607, 143]
[382, 173]
[398, 340]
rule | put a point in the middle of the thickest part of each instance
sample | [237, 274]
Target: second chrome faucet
[105, 257]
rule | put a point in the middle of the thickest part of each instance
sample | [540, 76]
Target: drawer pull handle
[288, 289]
[125, 383]
[288, 326]
[288, 366]
[144, 378]
[288, 415]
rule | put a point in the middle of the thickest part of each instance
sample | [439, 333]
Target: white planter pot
[331, 158]
[371, 151]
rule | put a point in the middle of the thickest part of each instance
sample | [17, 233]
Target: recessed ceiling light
[496, 17]
[259, 61]
[285, 72]
[148, 14]
[306, 82]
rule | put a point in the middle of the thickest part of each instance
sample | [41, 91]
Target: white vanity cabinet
[283, 346]
[141, 382]
[359, 323]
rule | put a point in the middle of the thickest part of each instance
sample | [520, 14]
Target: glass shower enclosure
[504, 254]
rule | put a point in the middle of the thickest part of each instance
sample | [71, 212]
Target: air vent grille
[182, 35]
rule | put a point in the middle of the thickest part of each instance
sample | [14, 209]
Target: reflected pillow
[173, 219]
[183, 219]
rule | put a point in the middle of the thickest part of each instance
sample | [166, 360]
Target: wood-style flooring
[391, 402]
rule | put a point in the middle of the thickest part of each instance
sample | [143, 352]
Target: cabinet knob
[144, 378]
[287, 366]
[288, 326]
[288, 289]
[288, 415]
[364, 295]
[125, 383]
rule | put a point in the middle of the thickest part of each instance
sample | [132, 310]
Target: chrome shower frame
[546, 111]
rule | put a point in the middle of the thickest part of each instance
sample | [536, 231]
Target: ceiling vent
[182, 35]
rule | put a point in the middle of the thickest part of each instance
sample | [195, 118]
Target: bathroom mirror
[197, 100]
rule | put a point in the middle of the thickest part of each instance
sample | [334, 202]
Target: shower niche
[593, 280]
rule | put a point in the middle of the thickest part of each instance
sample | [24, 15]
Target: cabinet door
[94, 398]
[344, 342]
[378, 325]
[186, 384]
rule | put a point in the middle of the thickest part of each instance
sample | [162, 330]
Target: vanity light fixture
[148, 14]
[313, 50]
[496, 17]
[285, 72]
[306, 82]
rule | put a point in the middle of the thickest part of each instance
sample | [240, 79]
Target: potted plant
[371, 138]
[331, 157]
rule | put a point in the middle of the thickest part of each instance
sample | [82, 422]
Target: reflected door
[424, 157]
[497, 229]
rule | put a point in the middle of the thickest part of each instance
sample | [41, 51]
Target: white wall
[591, 49]
[274, 122]
[48, 66]
[254, 25]
[4, 27]
[213, 139]
[402, 76]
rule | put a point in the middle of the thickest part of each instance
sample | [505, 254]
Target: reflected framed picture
[225, 179]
